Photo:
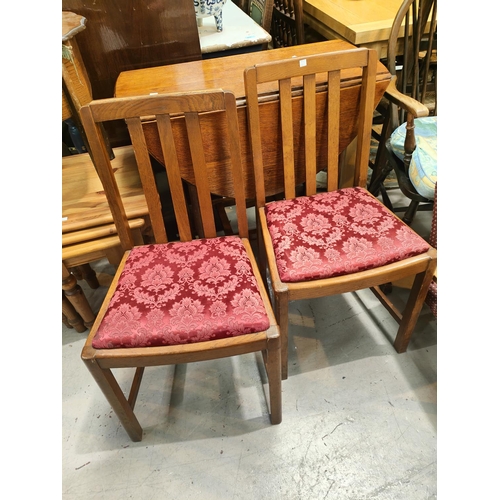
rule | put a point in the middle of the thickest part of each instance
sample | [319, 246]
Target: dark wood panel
[130, 34]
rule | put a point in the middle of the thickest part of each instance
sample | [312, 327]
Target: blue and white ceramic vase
[207, 8]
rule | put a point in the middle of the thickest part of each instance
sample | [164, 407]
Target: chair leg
[281, 312]
[410, 212]
[413, 307]
[113, 393]
[377, 187]
[273, 368]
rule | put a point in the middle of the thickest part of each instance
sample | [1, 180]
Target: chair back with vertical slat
[315, 144]
[287, 23]
[176, 115]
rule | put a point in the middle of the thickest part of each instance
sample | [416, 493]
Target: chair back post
[100, 156]
[367, 104]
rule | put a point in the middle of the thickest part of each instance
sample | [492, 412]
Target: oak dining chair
[341, 240]
[188, 300]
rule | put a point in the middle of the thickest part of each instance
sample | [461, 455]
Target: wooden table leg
[76, 297]
[70, 317]
[89, 275]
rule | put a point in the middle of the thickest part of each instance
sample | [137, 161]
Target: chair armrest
[416, 108]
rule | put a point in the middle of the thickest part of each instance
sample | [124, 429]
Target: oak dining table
[364, 23]
[228, 73]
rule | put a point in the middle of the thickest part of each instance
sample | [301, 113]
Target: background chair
[186, 301]
[287, 23]
[409, 151]
[261, 11]
[342, 240]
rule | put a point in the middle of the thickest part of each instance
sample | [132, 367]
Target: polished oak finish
[227, 73]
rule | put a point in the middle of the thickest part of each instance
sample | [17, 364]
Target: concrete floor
[359, 420]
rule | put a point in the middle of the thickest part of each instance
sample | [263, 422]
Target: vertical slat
[417, 29]
[403, 85]
[333, 129]
[285, 87]
[174, 177]
[366, 107]
[147, 178]
[310, 132]
[200, 174]
[236, 164]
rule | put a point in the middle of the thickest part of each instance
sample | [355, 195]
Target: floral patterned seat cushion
[183, 292]
[337, 233]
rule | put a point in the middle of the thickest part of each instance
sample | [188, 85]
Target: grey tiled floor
[359, 420]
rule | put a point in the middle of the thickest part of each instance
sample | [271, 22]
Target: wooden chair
[407, 135]
[341, 240]
[190, 300]
[261, 11]
[287, 23]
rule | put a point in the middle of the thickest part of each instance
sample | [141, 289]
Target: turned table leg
[89, 275]
[76, 297]
[70, 317]
[85, 272]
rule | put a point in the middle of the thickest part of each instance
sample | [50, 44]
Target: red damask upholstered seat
[196, 299]
[337, 233]
[343, 240]
[180, 293]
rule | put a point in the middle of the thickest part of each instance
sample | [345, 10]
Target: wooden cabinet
[121, 35]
